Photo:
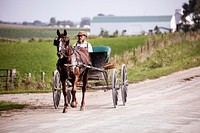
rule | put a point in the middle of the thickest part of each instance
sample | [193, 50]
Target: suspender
[85, 47]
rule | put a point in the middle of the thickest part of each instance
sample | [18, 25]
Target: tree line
[191, 8]
[53, 22]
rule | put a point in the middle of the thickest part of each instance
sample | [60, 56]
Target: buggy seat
[99, 57]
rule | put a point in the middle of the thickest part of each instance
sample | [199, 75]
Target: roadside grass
[167, 60]
[4, 106]
[24, 91]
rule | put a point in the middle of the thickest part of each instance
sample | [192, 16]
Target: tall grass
[179, 54]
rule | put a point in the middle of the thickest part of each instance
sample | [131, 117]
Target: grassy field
[35, 57]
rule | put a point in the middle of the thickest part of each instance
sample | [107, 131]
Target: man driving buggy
[81, 42]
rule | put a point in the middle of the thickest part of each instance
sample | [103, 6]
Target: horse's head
[62, 43]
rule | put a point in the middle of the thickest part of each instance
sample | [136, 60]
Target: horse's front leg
[84, 88]
[74, 102]
[64, 89]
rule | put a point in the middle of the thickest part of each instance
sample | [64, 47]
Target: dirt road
[167, 104]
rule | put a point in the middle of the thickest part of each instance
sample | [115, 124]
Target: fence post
[28, 76]
[13, 74]
[7, 79]
[42, 75]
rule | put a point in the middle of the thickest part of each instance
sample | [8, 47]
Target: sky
[75, 10]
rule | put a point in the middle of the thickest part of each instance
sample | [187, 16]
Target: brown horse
[71, 67]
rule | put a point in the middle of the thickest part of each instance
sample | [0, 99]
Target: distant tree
[38, 23]
[52, 21]
[193, 7]
[123, 32]
[70, 23]
[85, 21]
[103, 33]
[116, 33]
[100, 14]
[26, 23]
[157, 29]
[64, 23]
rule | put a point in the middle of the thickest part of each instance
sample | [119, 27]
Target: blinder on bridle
[55, 41]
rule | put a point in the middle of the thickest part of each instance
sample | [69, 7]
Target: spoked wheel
[69, 94]
[124, 84]
[56, 88]
[114, 88]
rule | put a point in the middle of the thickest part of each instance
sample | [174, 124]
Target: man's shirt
[85, 45]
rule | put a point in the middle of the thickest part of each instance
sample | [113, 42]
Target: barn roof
[127, 19]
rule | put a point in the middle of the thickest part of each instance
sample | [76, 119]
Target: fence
[7, 77]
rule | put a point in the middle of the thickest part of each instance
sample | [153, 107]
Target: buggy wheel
[124, 84]
[69, 93]
[56, 88]
[114, 88]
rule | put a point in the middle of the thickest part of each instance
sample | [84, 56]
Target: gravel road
[168, 104]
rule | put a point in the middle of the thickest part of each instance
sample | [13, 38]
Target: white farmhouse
[130, 25]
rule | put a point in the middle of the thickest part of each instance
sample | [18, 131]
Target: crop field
[28, 32]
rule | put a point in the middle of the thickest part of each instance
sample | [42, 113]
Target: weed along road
[168, 104]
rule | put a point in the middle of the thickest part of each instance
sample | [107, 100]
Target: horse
[71, 66]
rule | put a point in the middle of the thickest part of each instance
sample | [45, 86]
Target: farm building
[130, 25]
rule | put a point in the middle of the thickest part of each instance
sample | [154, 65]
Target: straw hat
[82, 33]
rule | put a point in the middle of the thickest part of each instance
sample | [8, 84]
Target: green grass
[10, 105]
[24, 91]
[167, 60]
[120, 44]
[29, 58]
[35, 57]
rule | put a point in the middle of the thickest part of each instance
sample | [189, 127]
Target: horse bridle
[57, 43]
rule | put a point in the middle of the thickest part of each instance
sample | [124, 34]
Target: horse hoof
[65, 109]
[82, 108]
[74, 104]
